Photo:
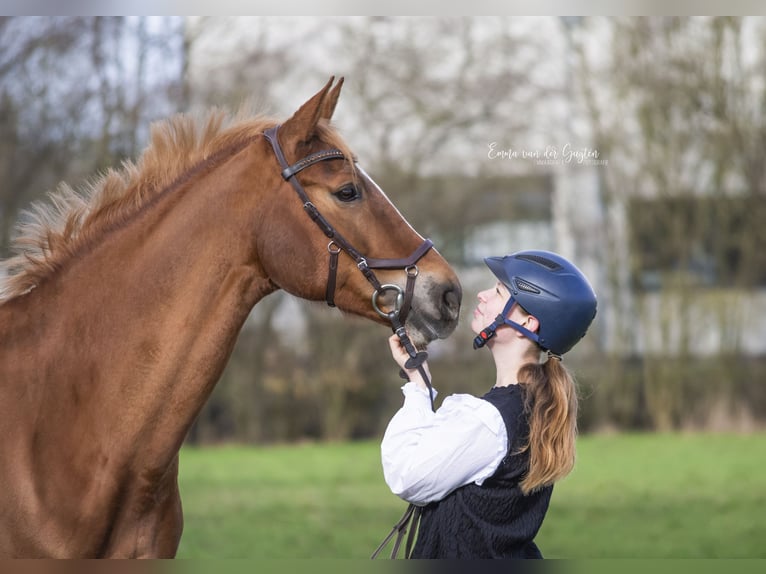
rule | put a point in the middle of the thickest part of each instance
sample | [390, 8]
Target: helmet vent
[545, 262]
[522, 285]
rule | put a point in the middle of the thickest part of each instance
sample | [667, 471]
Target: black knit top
[494, 520]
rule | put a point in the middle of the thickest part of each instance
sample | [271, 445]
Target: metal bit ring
[397, 303]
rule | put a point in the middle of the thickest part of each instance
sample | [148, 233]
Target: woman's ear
[532, 323]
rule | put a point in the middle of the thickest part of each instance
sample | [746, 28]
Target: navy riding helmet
[551, 289]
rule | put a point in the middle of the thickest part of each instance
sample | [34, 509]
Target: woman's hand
[400, 355]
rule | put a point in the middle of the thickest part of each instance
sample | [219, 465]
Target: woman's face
[491, 303]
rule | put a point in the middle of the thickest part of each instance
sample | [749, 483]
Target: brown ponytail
[551, 405]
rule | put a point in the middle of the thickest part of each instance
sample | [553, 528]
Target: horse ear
[331, 101]
[302, 125]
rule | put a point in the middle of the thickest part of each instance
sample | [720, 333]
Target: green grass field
[630, 496]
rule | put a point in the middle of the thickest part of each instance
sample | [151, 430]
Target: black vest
[494, 520]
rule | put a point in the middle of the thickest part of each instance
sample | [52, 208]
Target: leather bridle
[366, 265]
[402, 302]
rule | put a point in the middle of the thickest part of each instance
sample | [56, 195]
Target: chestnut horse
[122, 308]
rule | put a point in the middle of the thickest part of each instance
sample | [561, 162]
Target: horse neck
[146, 321]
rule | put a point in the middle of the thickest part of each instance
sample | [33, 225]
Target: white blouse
[427, 455]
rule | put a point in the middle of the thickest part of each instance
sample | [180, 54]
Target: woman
[482, 469]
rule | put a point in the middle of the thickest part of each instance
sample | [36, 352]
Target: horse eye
[348, 194]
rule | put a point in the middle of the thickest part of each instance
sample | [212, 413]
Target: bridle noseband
[403, 297]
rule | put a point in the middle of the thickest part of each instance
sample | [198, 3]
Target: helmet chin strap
[490, 331]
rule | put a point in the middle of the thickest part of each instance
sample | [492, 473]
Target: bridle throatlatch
[402, 297]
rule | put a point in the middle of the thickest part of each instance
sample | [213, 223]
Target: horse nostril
[451, 297]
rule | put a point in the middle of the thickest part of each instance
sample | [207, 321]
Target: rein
[402, 302]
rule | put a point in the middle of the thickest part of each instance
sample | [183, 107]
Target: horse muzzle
[435, 310]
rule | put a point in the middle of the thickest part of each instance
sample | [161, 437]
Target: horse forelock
[54, 230]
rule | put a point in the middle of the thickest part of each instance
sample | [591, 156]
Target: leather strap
[399, 529]
[332, 275]
[288, 171]
[300, 165]
[403, 263]
[409, 292]
[413, 528]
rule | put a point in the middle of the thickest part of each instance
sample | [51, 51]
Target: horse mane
[52, 232]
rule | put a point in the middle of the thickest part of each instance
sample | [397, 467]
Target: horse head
[340, 237]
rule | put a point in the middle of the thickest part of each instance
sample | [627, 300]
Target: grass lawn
[630, 496]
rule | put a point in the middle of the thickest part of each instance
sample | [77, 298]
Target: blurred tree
[26, 135]
[231, 61]
[430, 94]
[76, 96]
[678, 109]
